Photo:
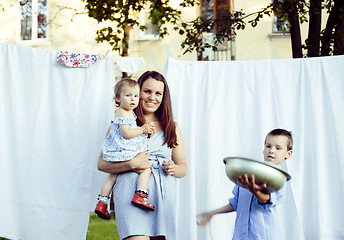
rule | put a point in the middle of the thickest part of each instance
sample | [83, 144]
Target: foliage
[295, 12]
[226, 28]
[101, 229]
[123, 15]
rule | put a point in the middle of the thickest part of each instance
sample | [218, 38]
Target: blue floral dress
[116, 148]
[131, 220]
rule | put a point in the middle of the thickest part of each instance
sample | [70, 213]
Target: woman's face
[152, 92]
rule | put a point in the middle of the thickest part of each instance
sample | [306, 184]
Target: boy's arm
[205, 217]
[259, 191]
[262, 197]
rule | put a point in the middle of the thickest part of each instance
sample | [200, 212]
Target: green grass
[101, 229]
[98, 229]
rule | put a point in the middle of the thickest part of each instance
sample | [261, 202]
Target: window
[150, 33]
[33, 20]
[151, 28]
[280, 24]
[215, 9]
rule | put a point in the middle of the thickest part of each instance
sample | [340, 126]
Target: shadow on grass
[101, 229]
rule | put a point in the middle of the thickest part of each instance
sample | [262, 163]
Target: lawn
[101, 229]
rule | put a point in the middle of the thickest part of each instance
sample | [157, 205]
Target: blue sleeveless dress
[131, 220]
[116, 148]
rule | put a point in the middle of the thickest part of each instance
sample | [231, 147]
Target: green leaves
[125, 14]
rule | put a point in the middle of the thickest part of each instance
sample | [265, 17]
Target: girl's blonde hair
[119, 86]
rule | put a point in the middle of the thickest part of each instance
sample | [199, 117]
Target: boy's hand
[148, 128]
[203, 218]
[251, 185]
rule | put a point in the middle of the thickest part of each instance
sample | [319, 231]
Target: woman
[166, 157]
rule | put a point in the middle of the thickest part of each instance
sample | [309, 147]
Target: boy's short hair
[282, 132]
[120, 84]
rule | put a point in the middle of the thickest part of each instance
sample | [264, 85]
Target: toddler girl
[124, 140]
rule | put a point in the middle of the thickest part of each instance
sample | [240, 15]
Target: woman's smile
[151, 95]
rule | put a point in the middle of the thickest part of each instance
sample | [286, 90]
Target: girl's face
[152, 92]
[275, 149]
[129, 97]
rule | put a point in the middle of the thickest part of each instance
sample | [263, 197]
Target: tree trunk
[339, 31]
[339, 40]
[295, 33]
[313, 43]
[334, 18]
[199, 55]
[125, 46]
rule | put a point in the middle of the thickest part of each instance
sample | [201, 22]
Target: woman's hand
[140, 162]
[169, 167]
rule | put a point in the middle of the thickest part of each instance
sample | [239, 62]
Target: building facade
[64, 25]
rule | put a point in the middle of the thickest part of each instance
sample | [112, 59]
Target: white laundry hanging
[227, 108]
[130, 64]
[53, 120]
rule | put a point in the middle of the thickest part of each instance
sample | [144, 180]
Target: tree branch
[63, 9]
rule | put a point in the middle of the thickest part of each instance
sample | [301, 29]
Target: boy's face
[275, 149]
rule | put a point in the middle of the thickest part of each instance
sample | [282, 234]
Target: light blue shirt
[255, 221]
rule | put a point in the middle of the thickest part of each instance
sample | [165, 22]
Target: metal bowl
[264, 172]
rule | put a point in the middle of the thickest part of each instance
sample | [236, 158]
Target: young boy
[255, 206]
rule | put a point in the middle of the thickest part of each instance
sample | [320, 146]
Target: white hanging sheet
[53, 120]
[227, 108]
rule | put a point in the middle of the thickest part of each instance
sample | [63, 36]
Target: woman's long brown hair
[164, 112]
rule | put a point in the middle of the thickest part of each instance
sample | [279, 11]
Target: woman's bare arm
[177, 166]
[138, 164]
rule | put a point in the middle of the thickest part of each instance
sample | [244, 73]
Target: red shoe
[101, 211]
[140, 200]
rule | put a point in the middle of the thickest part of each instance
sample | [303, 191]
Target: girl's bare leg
[108, 185]
[143, 179]
[137, 238]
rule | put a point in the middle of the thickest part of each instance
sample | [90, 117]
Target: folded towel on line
[76, 60]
